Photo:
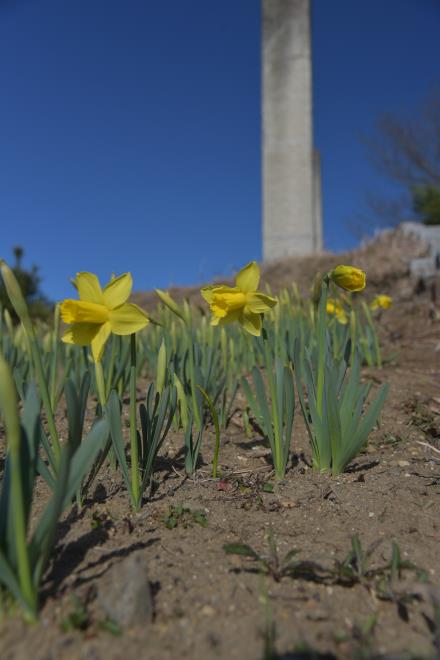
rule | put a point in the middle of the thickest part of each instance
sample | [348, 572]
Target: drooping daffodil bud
[349, 278]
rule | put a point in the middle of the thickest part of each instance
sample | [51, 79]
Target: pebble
[207, 610]
[124, 592]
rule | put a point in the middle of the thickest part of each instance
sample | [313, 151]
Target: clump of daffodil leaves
[100, 312]
[242, 302]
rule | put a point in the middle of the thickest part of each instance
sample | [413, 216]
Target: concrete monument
[292, 221]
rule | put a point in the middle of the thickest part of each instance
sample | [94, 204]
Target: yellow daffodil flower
[99, 312]
[242, 303]
[381, 302]
[335, 307]
[349, 278]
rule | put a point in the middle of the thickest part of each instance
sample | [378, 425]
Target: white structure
[429, 266]
[292, 221]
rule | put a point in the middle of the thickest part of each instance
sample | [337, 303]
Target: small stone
[124, 592]
[208, 610]
[403, 463]
[288, 504]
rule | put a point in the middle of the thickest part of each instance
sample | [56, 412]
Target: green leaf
[85, 456]
[263, 406]
[113, 415]
[10, 581]
[290, 558]
[42, 539]
[240, 549]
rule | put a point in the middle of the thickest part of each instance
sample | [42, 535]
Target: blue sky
[130, 131]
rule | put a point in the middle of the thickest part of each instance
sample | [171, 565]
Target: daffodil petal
[98, 342]
[81, 334]
[251, 322]
[88, 287]
[259, 302]
[117, 291]
[248, 278]
[207, 293]
[127, 319]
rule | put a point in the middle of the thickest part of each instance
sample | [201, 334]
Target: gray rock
[124, 592]
[426, 267]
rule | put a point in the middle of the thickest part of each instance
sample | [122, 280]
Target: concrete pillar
[317, 202]
[291, 183]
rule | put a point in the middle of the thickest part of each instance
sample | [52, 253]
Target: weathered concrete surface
[291, 173]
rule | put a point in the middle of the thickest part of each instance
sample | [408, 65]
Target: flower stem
[135, 484]
[54, 361]
[111, 367]
[39, 372]
[352, 336]
[374, 334]
[277, 431]
[192, 369]
[100, 387]
[322, 345]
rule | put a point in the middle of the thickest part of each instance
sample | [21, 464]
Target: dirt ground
[209, 604]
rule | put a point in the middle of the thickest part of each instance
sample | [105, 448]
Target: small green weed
[271, 563]
[111, 627]
[78, 618]
[184, 516]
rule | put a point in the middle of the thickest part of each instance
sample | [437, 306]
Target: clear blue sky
[130, 131]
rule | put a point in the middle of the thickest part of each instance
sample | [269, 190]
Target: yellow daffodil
[349, 278]
[334, 307]
[381, 302]
[99, 312]
[242, 302]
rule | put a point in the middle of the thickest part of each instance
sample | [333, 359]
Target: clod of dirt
[124, 592]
